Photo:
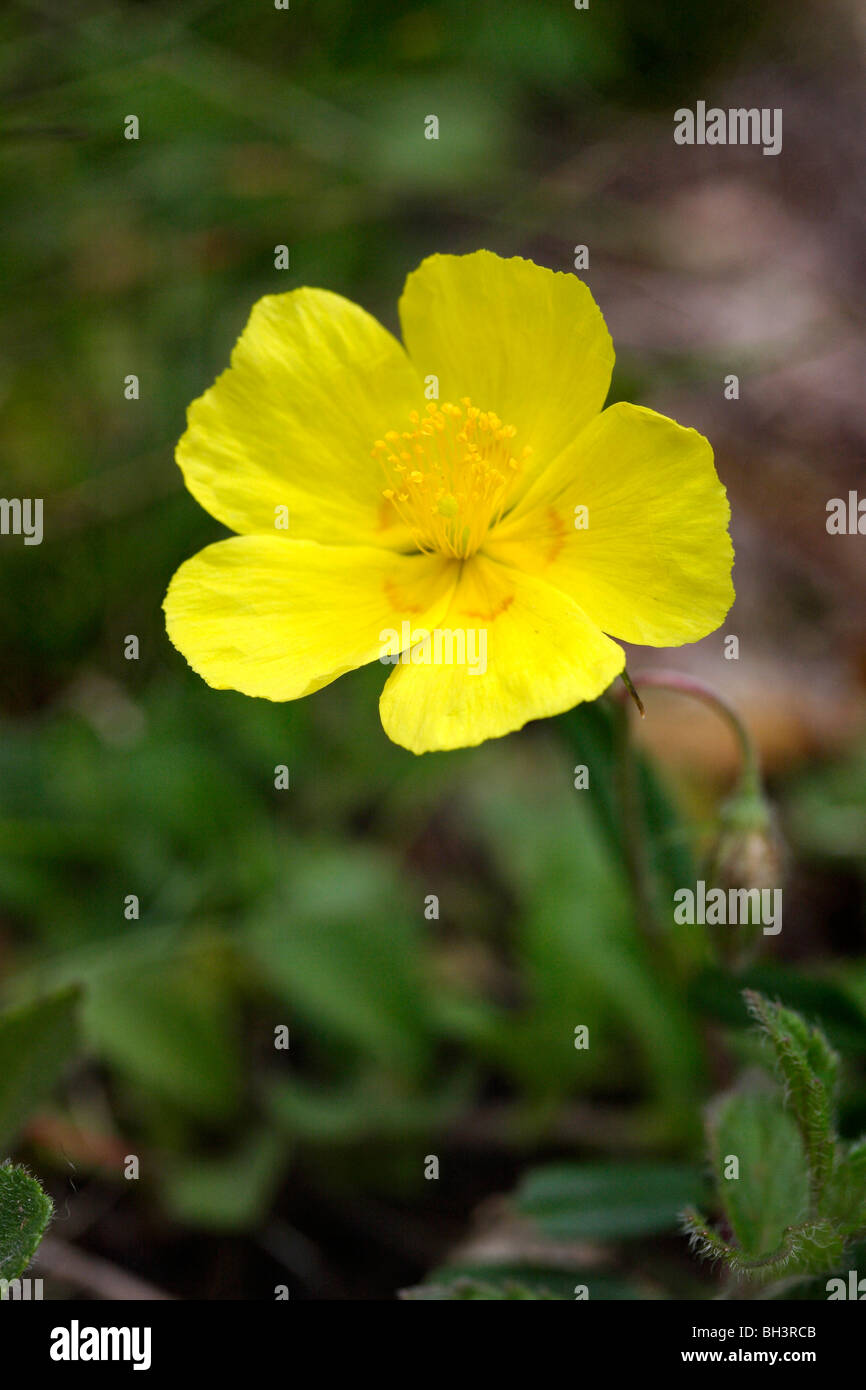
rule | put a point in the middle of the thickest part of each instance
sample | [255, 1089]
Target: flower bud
[747, 853]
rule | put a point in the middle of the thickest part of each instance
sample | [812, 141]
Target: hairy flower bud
[748, 852]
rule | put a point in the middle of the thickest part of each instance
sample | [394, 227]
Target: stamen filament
[450, 475]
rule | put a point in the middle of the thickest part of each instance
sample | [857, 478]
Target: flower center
[450, 475]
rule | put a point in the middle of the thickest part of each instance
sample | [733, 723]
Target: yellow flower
[508, 515]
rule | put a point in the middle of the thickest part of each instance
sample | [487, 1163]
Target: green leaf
[595, 733]
[577, 944]
[771, 1191]
[232, 1192]
[521, 1280]
[845, 1200]
[813, 1248]
[370, 1107]
[792, 1201]
[816, 1247]
[25, 1211]
[340, 948]
[704, 1240]
[827, 809]
[809, 1068]
[37, 1041]
[608, 1201]
[171, 1027]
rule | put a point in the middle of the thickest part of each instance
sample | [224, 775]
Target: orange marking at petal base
[398, 601]
[488, 615]
[558, 532]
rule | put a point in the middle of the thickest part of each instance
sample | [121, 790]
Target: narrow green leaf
[368, 1107]
[608, 1201]
[522, 1280]
[577, 944]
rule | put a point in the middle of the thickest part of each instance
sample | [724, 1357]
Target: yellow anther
[463, 476]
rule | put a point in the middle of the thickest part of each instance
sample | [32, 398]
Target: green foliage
[228, 1193]
[371, 1106]
[809, 1069]
[183, 1044]
[37, 1040]
[25, 1211]
[845, 1199]
[346, 955]
[524, 1282]
[826, 809]
[771, 1187]
[121, 777]
[274, 909]
[577, 938]
[609, 1201]
[796, 1196]
[565, 1206]
[719, 995]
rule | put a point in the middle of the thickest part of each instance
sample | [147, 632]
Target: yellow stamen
[464, 472]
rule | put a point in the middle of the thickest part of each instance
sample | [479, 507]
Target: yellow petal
[279, 618]
[314, 382]
[542, 655]
[654, 563]
[523, 341]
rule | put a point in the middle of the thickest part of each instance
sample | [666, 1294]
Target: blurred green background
[305, 908]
